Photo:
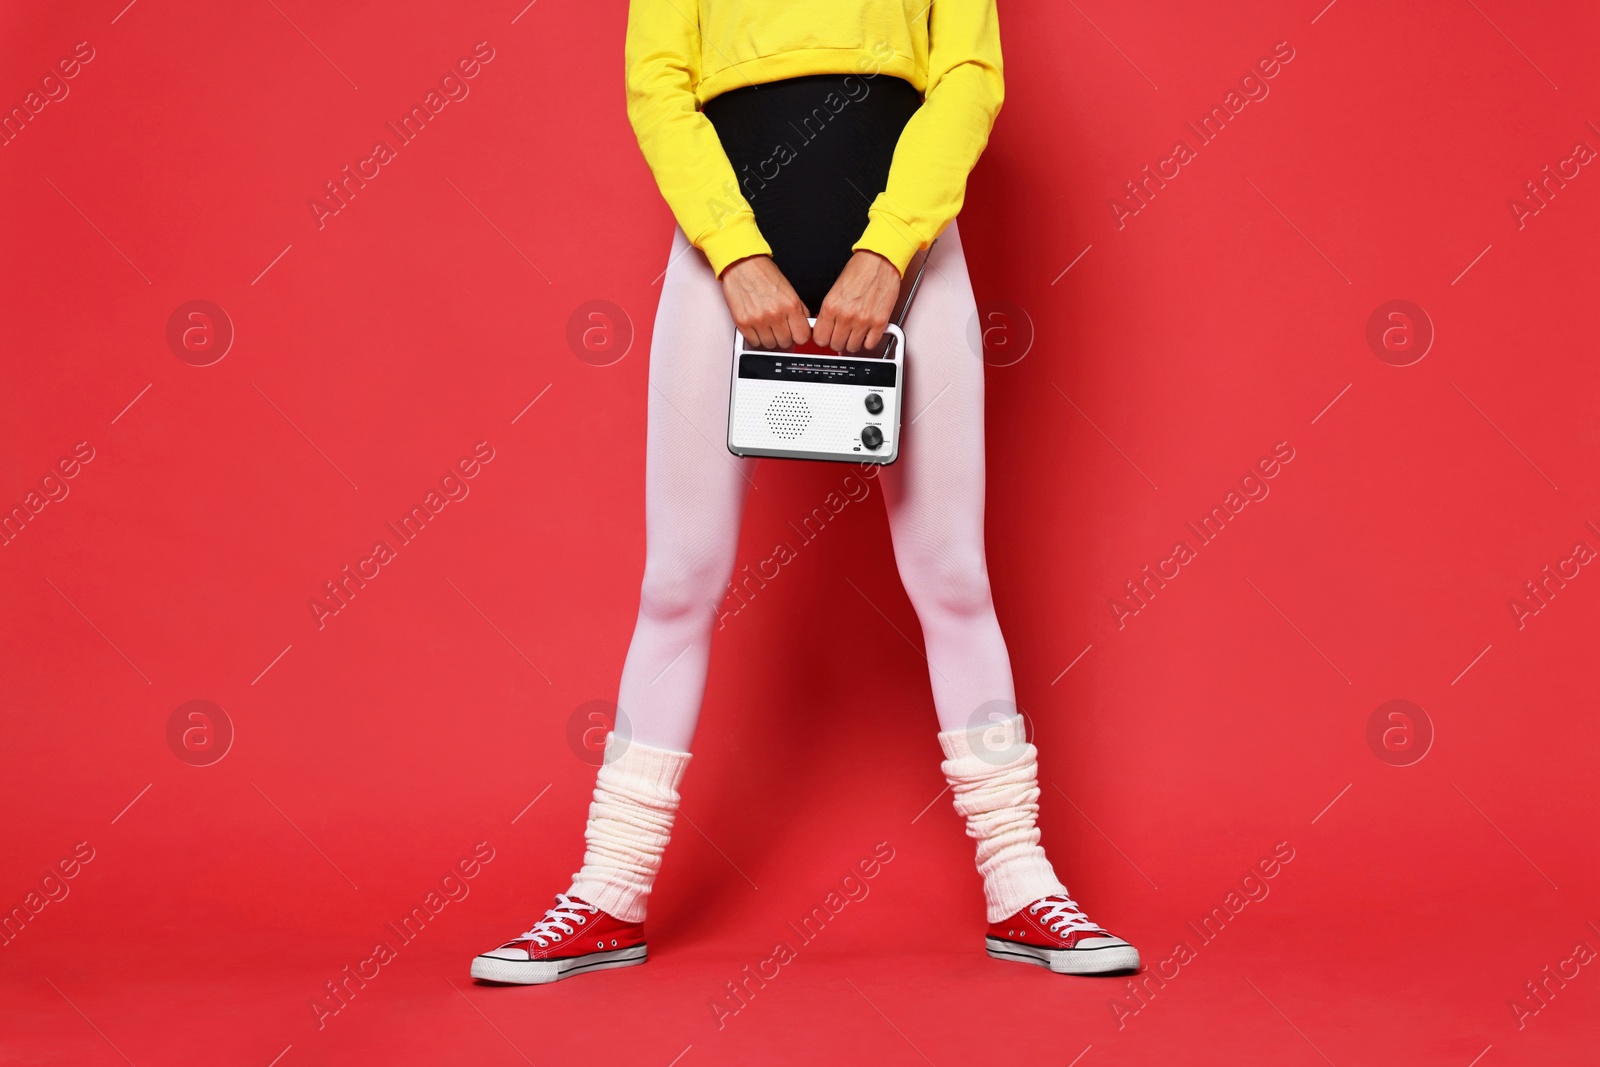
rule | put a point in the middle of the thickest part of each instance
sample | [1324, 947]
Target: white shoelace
[1063, 915]
[565, 917]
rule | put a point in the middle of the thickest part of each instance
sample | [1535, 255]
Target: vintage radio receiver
[814, 403]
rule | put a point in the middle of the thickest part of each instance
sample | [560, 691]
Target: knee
[677, 585]
[952, 582]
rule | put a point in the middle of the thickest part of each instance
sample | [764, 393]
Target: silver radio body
[792, 405]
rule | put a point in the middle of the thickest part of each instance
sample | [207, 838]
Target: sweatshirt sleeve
[942, 142]
[662, 53]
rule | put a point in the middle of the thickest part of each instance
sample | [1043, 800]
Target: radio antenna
[900, 320]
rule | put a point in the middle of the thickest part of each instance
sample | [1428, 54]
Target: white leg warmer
[993, 771]
[630, 822]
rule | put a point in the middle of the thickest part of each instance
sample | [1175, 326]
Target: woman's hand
[765, 306]
[857, 308]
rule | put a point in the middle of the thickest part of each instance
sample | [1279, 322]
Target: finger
[838, 330]
[874, 335]
[780, 332]
[799, 328]
[751, 338]
[857, 334]
[768, 339]
[841, 335]
[822, 332]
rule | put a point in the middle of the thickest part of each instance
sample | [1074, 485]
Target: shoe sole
[1108, 959]
[540, 972]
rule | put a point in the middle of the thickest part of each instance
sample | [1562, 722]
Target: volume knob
[872, 437]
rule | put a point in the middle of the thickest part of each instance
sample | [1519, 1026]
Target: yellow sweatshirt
[681, 53]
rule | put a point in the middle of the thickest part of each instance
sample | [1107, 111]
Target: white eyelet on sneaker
[602, 944]
[557, 921]
[613, 942]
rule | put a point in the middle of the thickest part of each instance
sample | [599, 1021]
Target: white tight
[695, 491]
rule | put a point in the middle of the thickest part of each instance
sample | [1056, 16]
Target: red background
[1229, 715]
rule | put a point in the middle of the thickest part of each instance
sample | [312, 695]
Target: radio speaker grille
[788, 415]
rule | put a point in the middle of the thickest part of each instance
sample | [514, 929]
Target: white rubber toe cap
[507, 952]
[1101, 942]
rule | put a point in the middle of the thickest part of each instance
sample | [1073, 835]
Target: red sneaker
[574, 937]
[1054, 932]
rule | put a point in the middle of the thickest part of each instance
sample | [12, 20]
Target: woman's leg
[694, 498]
[935, 497]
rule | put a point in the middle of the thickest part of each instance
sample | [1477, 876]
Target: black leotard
[810, 154]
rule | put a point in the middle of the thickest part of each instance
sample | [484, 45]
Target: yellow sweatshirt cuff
[890, 238]
[736, 238]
